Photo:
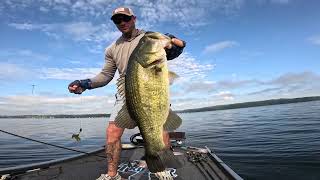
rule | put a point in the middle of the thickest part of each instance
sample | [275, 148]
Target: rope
[41, 142]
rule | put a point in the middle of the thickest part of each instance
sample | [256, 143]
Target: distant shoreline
[210, 108]
[252, 104]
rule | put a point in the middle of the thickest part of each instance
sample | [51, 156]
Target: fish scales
[147, 94]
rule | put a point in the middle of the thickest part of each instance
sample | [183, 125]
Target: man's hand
[175, 41]
[175, 48]
[78, 86]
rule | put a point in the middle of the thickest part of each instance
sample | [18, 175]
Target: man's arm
[107, 72]
[101, 79]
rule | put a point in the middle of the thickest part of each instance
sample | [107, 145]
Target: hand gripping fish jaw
[150, 51]
[162, 160]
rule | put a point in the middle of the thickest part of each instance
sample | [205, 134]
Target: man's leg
[113, 147]
[166, 139]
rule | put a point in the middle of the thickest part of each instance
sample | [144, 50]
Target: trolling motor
[177, 138]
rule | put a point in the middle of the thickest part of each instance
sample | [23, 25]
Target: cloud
[302, 78]
[288, 85]
[21, 105]
[265, 91]
[225, 95]
[298, 83]
[71, 74]
[314, 40]
[231, 84]
[188, 67]
[276, 2]
[23, 56]
[68, 73]
[280, 1]
[12, 72]
[193, 76]
[86, 31]
[198, 87]
[23, 26]
[149, 12]
[184, 102]
[216, 47]
[77, 31]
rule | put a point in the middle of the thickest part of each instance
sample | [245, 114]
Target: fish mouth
[156, 62]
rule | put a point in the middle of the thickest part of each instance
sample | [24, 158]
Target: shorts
[125, 121]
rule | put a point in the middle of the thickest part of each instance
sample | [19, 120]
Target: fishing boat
[197, 163]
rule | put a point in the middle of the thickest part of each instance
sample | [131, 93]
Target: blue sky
[237, 51]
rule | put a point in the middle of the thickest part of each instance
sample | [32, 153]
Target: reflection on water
[269, 142]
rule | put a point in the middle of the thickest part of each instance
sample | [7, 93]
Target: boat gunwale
[222, 166]
[46, 164]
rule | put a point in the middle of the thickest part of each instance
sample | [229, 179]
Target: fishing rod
[197, 159]
[42, 142]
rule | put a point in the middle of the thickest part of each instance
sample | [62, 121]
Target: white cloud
[305, 78]
[22, 55]
[183, 102]
[231, 84]
[43, 9]
[199, 86]
[216, 47]
[189, 68]
[68, 73]
[71, 74]
[280, 1]
[225, 95]
[276, 2]
[12, 72]
[78, 31]
[75, 62]
[286, 85]
[184, 13]
[21, 105]
[314, 40]
[23, 26]
[209, 93]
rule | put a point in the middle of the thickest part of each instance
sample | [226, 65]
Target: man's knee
[114, 133]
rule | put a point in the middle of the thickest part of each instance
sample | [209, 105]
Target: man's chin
[126, 31]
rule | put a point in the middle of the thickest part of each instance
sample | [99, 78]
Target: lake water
[268, 142]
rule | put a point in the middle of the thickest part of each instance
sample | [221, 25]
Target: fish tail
[162, 160]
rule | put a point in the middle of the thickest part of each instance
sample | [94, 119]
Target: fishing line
[81, 102]
[77, 135]
[42, 142]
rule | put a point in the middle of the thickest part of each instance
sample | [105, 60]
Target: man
[116, 57]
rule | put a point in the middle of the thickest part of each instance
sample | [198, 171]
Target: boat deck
[197, 163]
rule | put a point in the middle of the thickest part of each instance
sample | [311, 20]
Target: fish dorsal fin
[173, 121]
[121, 86]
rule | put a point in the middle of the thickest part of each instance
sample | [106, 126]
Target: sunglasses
[119, 19]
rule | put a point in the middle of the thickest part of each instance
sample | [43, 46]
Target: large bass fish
[147, 96]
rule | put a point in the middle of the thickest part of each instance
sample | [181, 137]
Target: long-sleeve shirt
[116, 57]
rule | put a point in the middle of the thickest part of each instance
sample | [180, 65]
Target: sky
[237, 51]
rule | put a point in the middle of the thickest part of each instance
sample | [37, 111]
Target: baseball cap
[122, 10]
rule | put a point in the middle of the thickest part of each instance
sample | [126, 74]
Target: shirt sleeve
[174, 52]
[107, 72]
